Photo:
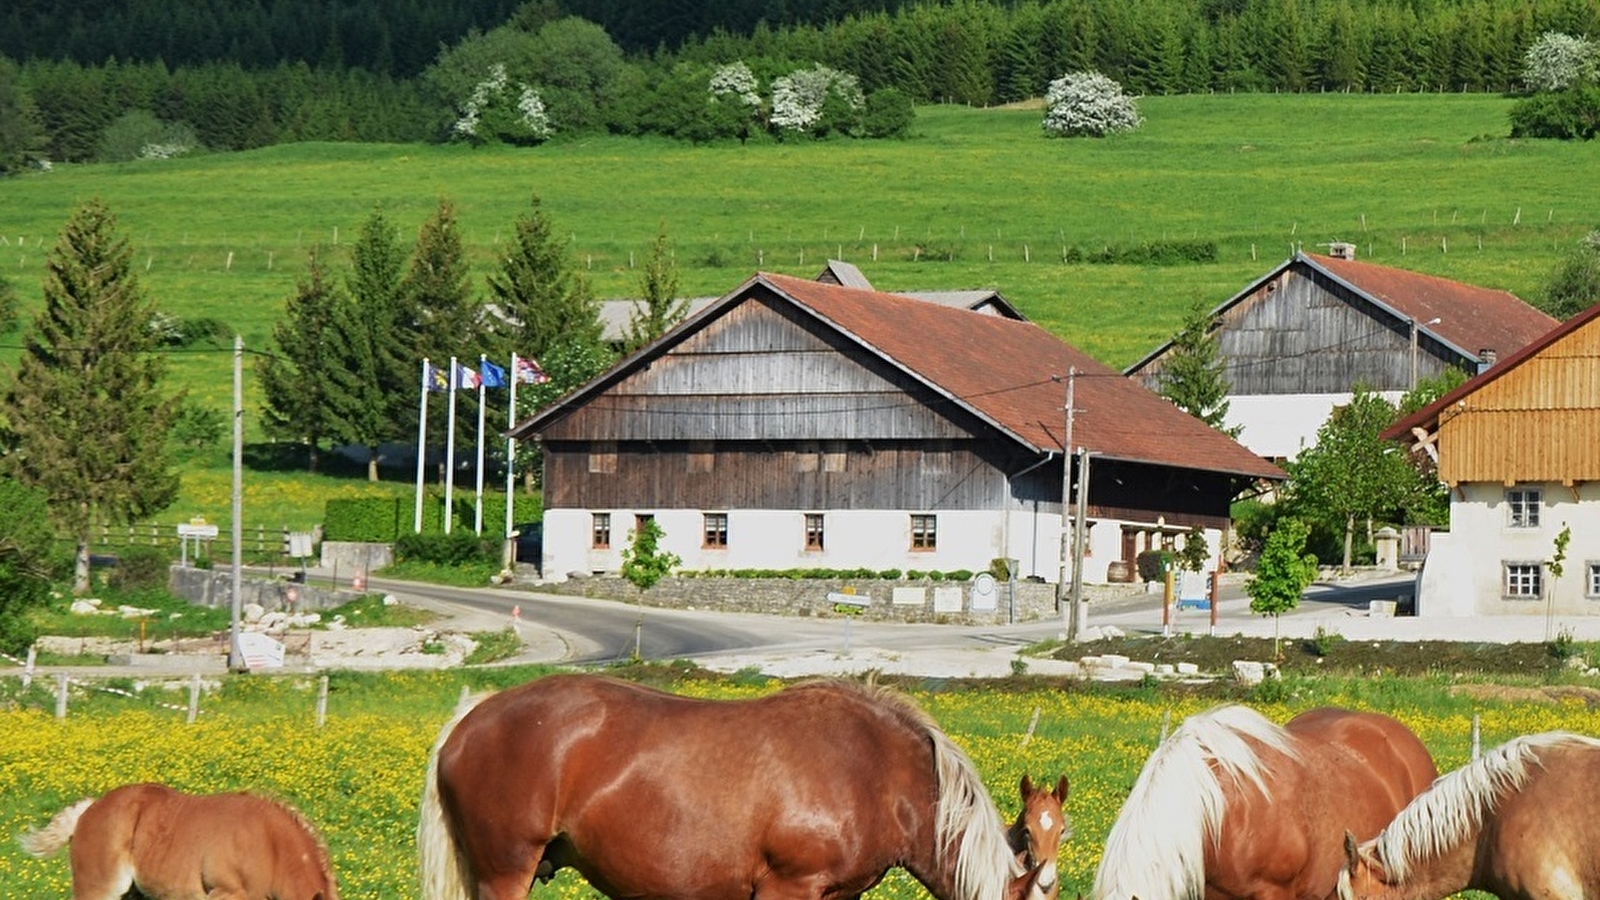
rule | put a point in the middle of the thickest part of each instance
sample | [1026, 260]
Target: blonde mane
[1156, 848]
[1453, 809]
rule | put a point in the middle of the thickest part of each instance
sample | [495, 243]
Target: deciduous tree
[1283, 572]
[86, 409]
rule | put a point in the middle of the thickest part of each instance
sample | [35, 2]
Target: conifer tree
[374, 393]
[658, 308]
[87, 416]
[296, 377]
[544, 301]
[437, 290]
[1193, 377]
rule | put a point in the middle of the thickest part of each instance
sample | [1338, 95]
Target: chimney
[1486, 358]
[1342, 250]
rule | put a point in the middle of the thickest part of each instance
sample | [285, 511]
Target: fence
[254, 540]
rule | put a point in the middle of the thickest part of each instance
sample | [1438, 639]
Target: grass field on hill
[976, 198]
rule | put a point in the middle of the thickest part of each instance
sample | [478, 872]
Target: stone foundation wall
[947, 602]
[212, 587]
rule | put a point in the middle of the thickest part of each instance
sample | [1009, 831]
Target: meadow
[975, 198]
[360, 775]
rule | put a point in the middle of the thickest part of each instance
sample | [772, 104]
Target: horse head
[1037, 834]
[1364, 875]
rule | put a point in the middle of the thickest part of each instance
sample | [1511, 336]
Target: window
[924, 532]
[1523, 580]
[601, 531]
[603, 458]
[813, 531]
[716, 525]
[1594, 580]
[700, 458]
[1522, 507]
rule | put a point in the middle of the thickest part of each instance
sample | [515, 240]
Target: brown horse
[1518, 823]
[1037, 833]
[1233, 807]
[174, 846]
[811, 793]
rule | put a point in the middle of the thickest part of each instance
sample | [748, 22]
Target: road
[602, 631]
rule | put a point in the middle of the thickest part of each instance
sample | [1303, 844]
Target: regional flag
[491, 375]
[434, 378]
[528, 372]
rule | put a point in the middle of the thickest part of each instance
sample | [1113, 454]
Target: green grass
[1257, 174]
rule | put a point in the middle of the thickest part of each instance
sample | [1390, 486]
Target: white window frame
[1592, 572]
[1528, 574]
[1522, 507]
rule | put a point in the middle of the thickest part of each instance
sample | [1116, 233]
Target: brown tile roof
[1427, 417]
[1472, 318]
[1003, 370]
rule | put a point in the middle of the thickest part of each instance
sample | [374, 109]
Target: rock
[1165, 669]
[85, 607]
[1188, 669]
[135, 612]
[1249, 673]
[252, 612]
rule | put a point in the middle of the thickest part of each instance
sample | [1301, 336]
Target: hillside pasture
[975, 198]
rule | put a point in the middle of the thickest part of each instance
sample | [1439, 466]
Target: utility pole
[235, 655]
[1063, 596]
[1080, 610]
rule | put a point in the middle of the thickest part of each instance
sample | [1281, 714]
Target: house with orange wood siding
[1297, 341]
[1519, 448]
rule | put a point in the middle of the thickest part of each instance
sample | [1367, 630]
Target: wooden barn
[1518, 447]
[805, 424]
[1299, 339]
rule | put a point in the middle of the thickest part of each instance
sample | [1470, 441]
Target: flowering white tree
[497, 110]
[735, 81]
[1088, 103]
[1557, 60]
[799, 98]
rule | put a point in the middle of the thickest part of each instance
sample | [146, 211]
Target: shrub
[889, 114]
[140, 568]
[1557, 61]
[454, 549]
[1563, 115]
[1088, 104]
[959, 575]
[890, 574]
[1153, 564]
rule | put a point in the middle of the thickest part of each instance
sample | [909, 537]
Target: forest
[230, 76]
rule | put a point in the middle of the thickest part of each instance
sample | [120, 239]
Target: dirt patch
[1550, 694]
[1330, 655]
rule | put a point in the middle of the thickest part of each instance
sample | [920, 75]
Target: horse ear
[1061, 790]
[1351, 857]
[1026, 786]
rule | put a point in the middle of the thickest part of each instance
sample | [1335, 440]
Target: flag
[528, 372]
[466, 377]
[434, 378]
[491, 375]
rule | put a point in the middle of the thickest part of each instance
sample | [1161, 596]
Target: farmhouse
[1297, 341]
[1516, 445]
[803, 424]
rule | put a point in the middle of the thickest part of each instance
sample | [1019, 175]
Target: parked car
[530, 544]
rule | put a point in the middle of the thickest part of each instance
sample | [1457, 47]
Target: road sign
[201, 530]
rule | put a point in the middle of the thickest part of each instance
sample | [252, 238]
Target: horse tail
[1176, 805]
[49, 840]
[443, 867]
[967, 816]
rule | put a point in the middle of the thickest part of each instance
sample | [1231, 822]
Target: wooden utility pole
[1063, 595]
[1080, 611]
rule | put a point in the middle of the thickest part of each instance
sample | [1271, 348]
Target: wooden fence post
[322, 701]
[194, 698]
[61, 695]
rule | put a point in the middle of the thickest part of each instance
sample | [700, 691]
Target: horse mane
[967, 817]
[1156, 848]
[1454, 808]
[324, 862]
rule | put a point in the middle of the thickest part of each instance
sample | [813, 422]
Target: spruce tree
[543, 300]
[658, 308]
[87, 415]
[1193, 375]
[436, 288]
[374, 392]
[296, 376]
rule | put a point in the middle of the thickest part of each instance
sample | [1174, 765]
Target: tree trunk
[313, 458]
[80, 568]
[1349, 538]
[372, 463]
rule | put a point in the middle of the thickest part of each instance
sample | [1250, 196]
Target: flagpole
[477, 515]
[422, 442]
[450, 452]
[511, 453]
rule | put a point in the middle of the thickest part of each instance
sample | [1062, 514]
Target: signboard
[300, 544]
[985, 593]
[197, 528]
[260, 651]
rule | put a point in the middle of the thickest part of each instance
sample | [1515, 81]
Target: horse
[1234, 807]
[1036, 836]
[168, 845]
[1517, 823]
[810, 793]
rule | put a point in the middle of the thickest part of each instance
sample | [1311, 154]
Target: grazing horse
[1233, 807]
[168, 845]
[1518, 823]
[811, 793]
[1037, 833]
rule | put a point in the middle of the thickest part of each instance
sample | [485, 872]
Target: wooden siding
[1536, 422]
[1302, 333]
[763, 373]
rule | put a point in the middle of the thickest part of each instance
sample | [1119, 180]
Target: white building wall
[1279, 426]
[1464, 573]
[870, 539]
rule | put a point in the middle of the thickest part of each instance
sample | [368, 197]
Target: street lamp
[1433, 321]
